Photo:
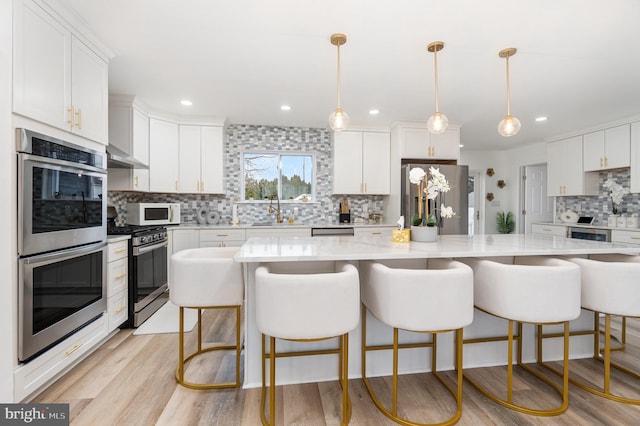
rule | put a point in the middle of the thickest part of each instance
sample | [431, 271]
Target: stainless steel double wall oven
[62, 232]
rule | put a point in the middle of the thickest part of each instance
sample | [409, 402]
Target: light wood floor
[129, 381]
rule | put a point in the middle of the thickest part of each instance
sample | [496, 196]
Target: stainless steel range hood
[116, 159]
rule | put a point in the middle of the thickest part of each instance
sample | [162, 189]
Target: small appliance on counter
[153, 213]
[345, 212]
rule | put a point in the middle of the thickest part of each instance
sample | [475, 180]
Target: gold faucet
[279, 216]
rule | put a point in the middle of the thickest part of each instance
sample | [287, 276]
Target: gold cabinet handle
[79, 118]
[601, 162]
[376, 233]
[635, 238]
[222, 235]
[136, 182]
[202, 185]
[120, 309]
[74, 348]
[198, 186]
[120, 250]
[606, 162]
[70, 111]
[117, 277]
[365, 187]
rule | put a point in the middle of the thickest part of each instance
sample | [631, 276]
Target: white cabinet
[58, 79]
[117, 283]
[278, 232]
[374, 231]
[128, 137]
[418, 143]
[361, 163]
[222, 237]
[607, 149]
[549, 229]
[629, 237]
[635, 158]
[182, 239]
[201, 168]
[163, 156]
[564, 169]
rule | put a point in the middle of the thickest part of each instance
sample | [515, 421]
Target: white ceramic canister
[632, 220]
[621, 222]
[612, 220]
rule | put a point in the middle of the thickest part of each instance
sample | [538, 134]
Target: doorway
[535, 205]
[476, 202]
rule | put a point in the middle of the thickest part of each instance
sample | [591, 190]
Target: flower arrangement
[429, 190]
[616, 192]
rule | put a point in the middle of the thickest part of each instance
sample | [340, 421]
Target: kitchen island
[316, 368]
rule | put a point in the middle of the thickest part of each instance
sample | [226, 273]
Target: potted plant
[506, 223]
[424, 223]
[616, 192]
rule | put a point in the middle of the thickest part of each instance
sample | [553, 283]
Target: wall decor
[501, 184]
[490, 196]
[490, 172]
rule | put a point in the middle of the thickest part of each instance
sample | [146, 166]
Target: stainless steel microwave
[153, 213]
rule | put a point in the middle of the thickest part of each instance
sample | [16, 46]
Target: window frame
[279, 154]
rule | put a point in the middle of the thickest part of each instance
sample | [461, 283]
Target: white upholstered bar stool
[206, 278]
[611, 286]
[306, 301]
[532, 289]
[422, 296]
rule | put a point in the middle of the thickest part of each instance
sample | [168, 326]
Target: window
[287, 175]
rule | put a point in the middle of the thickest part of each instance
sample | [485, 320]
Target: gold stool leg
[181, 345]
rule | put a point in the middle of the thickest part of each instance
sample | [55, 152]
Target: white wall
[8, 184]
[506, 165]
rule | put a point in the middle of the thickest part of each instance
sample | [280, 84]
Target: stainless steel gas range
[147, 270]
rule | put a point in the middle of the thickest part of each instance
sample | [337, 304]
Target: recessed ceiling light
[285, 107]
[541, 119]
[186, 102]
[374, 112]
[461, 145]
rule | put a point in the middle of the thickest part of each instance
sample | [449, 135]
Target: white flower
[438, 183]
[446, 212]
[416, 175]
[617, 191]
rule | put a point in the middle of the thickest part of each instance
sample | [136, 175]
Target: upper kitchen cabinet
[417, 143]
[635, 158]
[58, 78]
[201, 168]
[607, 149]
[361, 163]
[565, 174]
[163, 156]
[128, 142]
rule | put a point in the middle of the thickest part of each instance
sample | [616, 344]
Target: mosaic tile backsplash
[240, 137]
[600, 206]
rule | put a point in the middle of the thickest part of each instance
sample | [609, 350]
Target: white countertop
[283, 249]
[282, 226]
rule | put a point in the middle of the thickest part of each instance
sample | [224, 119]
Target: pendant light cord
[339, 75]
[435, 66]
[508, 89]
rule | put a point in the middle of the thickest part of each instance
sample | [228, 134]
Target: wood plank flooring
[130, 381]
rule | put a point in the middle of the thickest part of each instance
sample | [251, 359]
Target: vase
[424, 234]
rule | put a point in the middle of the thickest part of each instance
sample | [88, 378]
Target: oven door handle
[142, 250]
[63, 254]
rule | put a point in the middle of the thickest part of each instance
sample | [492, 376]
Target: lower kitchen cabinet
[549, 229]
[117, 283]
[279, 232]
[222, 237]
[374, 231]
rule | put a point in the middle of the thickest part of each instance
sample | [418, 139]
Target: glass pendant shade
[338, 120]
[509, 126]
[437, 123]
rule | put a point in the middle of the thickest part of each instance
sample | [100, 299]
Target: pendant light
[510, 125]
[438, 122]
[339, 119]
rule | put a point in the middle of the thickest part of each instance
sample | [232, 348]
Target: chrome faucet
[279, 216]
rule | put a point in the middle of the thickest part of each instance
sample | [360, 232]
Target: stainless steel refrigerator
[457, 197]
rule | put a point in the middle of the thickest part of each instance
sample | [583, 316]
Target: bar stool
[609, 286]
[306, 301]
[422, 296]
[532, 289]
[206, 278]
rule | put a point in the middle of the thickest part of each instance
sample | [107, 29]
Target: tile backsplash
[599, 206]
[241, 137]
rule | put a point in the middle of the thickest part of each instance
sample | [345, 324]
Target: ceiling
[578, 61]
